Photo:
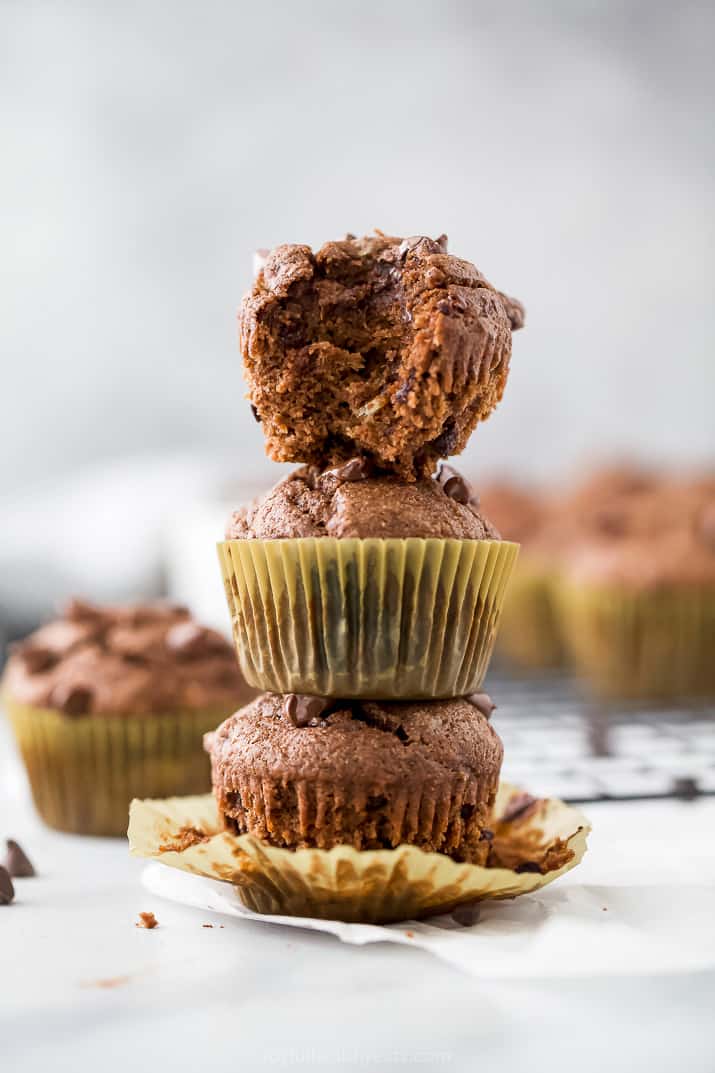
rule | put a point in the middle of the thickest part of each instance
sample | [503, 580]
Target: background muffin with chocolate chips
[109, 703]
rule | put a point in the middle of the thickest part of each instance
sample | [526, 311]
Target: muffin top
[517, 511]
[140, 659]
[381, 346]
[664, 536]
[366, 742]
[348, 502]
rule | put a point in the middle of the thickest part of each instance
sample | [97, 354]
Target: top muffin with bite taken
[382, 347]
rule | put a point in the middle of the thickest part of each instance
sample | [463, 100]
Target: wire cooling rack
[560, 743]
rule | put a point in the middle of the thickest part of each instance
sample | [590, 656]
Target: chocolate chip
[256, 416]
[304, 710]
[483, 702]
[357, 469]
[610, 521]
[77, 610]
[527, 866]
[71, 699]
[17, 862]
[189, 639]
[442, 241]
[453, 484]
[485, 835]
[36, 660]
[7, 891]
[514, 311]
[685, 787]
[706, 528]
[517, 806]
[466, 915]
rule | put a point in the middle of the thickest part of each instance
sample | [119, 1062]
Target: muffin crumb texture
[384, 347]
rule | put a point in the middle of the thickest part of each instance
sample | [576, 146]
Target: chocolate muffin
[378, 346]
[306, 772]
[345, 583]
[637, 599]
[529, 633]
[348, 501]
[109, 703]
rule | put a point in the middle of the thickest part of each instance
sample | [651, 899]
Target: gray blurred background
[148, 148]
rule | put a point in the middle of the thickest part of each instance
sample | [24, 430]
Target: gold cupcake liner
[376, 618]
[368, 886]
[85, 770]
[650, 644]
[529, 630]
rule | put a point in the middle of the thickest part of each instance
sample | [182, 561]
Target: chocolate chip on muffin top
[138, 659]
[381, 346]
[309, 503]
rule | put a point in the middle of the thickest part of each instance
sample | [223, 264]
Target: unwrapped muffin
[307, 772]
[111, 703]
[351, 583]
[378, 346]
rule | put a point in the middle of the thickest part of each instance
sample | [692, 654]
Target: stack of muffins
[364, 592]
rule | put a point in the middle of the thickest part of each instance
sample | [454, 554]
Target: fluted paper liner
[542, 842]
[632, 643]
[529, 628]
[380, 618]
[84, 770]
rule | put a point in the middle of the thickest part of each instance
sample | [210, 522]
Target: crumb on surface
[207, 925]
[410, 934]
[107, 984]
[146, 920]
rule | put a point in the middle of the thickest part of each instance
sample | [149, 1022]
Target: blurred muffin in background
[529, 635]
[111, 703]
[637, 594]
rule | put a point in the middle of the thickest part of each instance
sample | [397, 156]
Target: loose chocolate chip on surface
[303, 710]
[357, 469]
[466, 914]
[454, 484]
[483, 702]
[7, 891]
[73, 700]
[17, 862]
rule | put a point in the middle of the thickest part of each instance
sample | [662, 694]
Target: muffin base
[529, 630]
[385, 619]
[654, 645]
[304, 815]
[84, 771]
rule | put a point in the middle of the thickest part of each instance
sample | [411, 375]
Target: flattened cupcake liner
[85, 770]
[376, 618]
[538, 845]
[649, 644]
[529, 631]
[322, 814]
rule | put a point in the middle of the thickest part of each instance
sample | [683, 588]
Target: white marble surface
[82, 988]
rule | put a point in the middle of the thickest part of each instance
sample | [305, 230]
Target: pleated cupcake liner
[447, 820]
[529, 629]
[361, 886]
[85, 770]
[654, 644]
[374, 618]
